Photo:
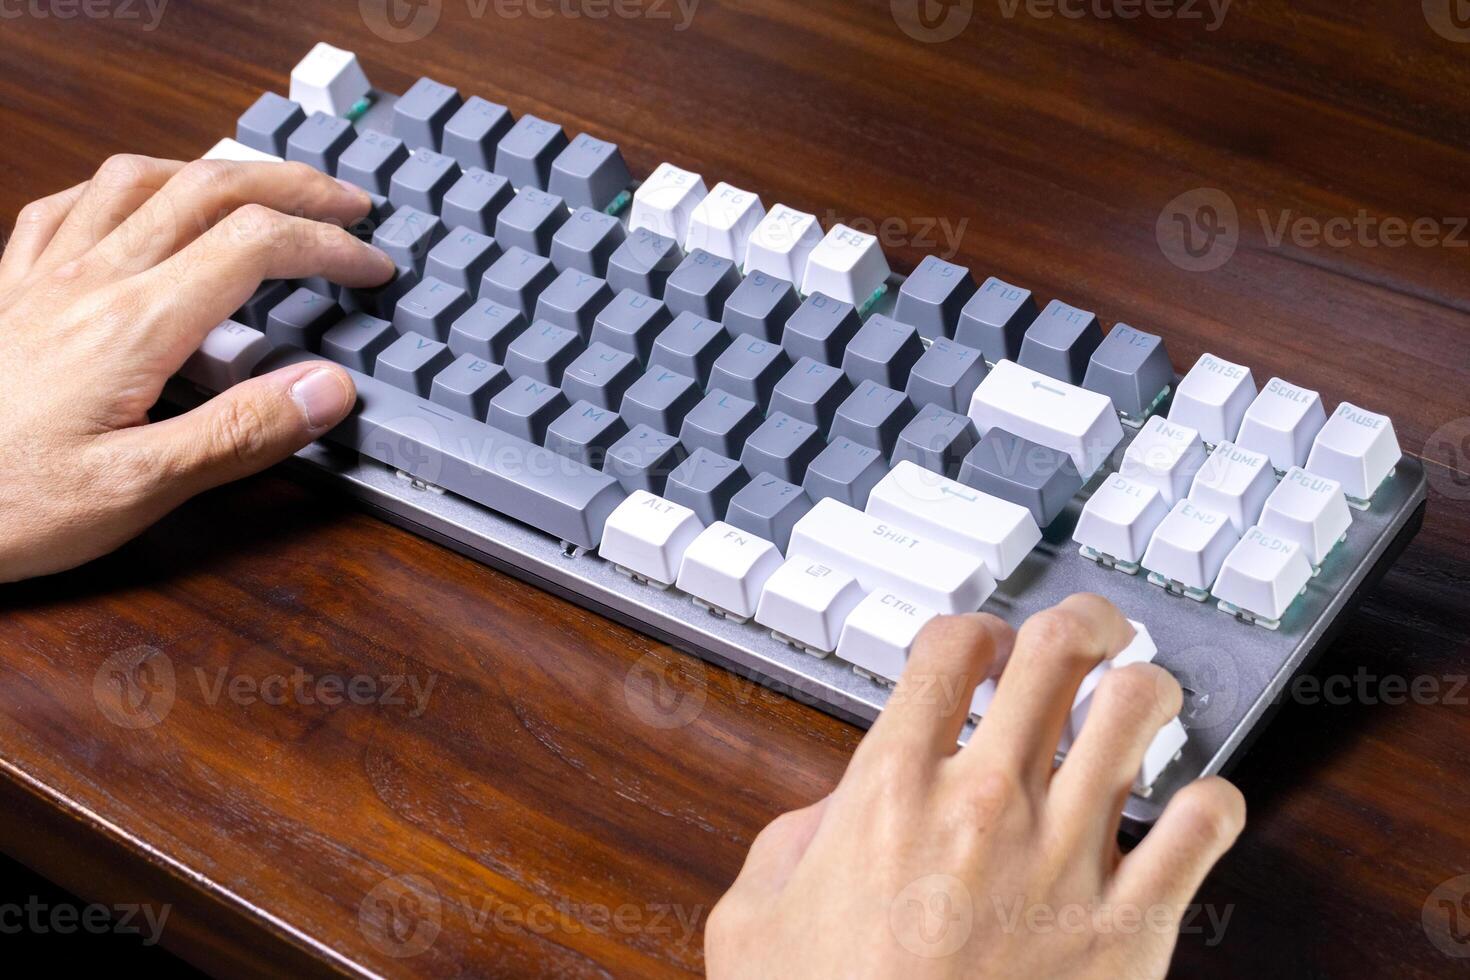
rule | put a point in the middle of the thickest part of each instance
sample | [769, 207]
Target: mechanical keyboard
[746, 436]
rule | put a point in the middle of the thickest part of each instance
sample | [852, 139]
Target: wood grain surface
[559, 795]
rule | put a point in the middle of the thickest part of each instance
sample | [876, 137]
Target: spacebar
[487, 465]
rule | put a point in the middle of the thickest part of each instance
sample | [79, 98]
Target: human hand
[927, 861]
[105, 290]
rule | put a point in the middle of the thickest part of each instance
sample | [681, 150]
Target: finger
[927, 709]
[1128, 708]
[204, 192]
[182, 298]
[241, 431]
[1198, 826]
[1054, 650]
[776, 850]
[121, 185]
[34, 228]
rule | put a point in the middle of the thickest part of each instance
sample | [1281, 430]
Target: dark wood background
[546, 775]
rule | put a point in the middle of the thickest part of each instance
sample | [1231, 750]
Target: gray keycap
[760, 306]
[589, 173]
[525, 408]
[811, 391]
[995, 319]
[371, 161]
[701, 284]
[357, 340]
[476, 200]
[643, 263]
[485, 330]
[931, 299]
[423, 180]
[769, 507]
[660, 399]
[821, 328]
[488, 466]
[600, 375]
[543, 352]
[467, 385]
[380, 209]
[411, 362]
[1130, 367]
[750, 368]
[689, 346]
[319, 141]
[704, 483]
[461, 258]
[586, 242]
[516, 279]
[420, 113]
[946, 375]
[782, 446]
[381, 301]
[1036, 477]
[573, 300]
[585, 433]
[430, 308]
[873, 416]
[631, 322]
[643, 459]
[269, 123]
[407, 236]
[884, 351]
[472, 133]
[526, 152]
[846, 471]
[1061, 342]
[531, 220]
[258, 307]
[937, 439]
[300, 319]
[721, 423]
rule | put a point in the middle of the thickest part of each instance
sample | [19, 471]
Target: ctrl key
[805, 603]
[877, 637]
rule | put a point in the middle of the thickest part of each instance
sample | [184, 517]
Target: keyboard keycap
[1308, 509]
[811, 391]
[381, 301]
[847, 265]
[1235, 482]
[1120, 519]
[701, 285]
[420, 114]
[1130, 367]
[461, 258]
[476, 200]
[946, 375]
[516, 279]
[631, 322]
[1357, 448]
[660, 399]
[1141, 650]
[233, 149]
[586, 242]
[873, 416]
[423, 180]
[998, 532]
[1213, 398]
[590, 173]
[884, 352]
[320, 141]
[760, 306]
[226, 356]
[473, 132]
[782, 243]
[1190, 545]
[937, 439]
[880, 632]
[527, 151]
[1165, 455]
[300, 319]
[258, 307]
[600, 375]
[1282, 423]
[665, 202]
[690, 345]
[770, 507]
[573, 300]
[411, 362]
[1263, 575]
[1061, 342]
[543, 352]
[821, 328]
[648, 535]
[329, 80]
[643, 262]
[749, 368]
[721, 423]
[525, 408]
[430, 308]
[807, 602]
[845, 471]
[643, 459]
[783, 447]
[585, 433]
[995, 320]
[931, 299]
[704, 483]
[408, 235]
[727, 568]
[485, 330]
[467, 385]
[531, 220]
[269, 123]
[1080, 423]
[723, 222]
[372, 160]
[1039, 478]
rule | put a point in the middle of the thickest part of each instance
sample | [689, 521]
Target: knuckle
[296, 172]
[239, 431]
[206, 176]
[1058, 633]
[988, 798]
[952, 642]
[35, 213]
[124, 170]
[255, 225]
[1142, 692]
[1211, 809]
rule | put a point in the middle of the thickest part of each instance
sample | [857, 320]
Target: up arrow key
[1081, 423]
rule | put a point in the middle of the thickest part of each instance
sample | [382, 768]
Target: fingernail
[322, 398]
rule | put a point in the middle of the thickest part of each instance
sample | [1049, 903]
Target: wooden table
[545, 813]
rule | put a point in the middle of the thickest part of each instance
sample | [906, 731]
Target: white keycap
[727, 568]
[998, 532]
[723, 222]
[1263, 574]
[883, 555]
[665, 202]
[328, 80]
[847, 265]
[229, 353]
[1236, 482]
[808, 602]
[1141, 651]
[1166, 455]
[880, 632]
[1190, 545]
[782, 243]
[648, 535]
[1120, 518]
[230, 149]
[1081, 423]
[984, 694]
[1161, 751]
[1213, 398]
[1308, 509]
[1357, 448]
[1282, 422]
